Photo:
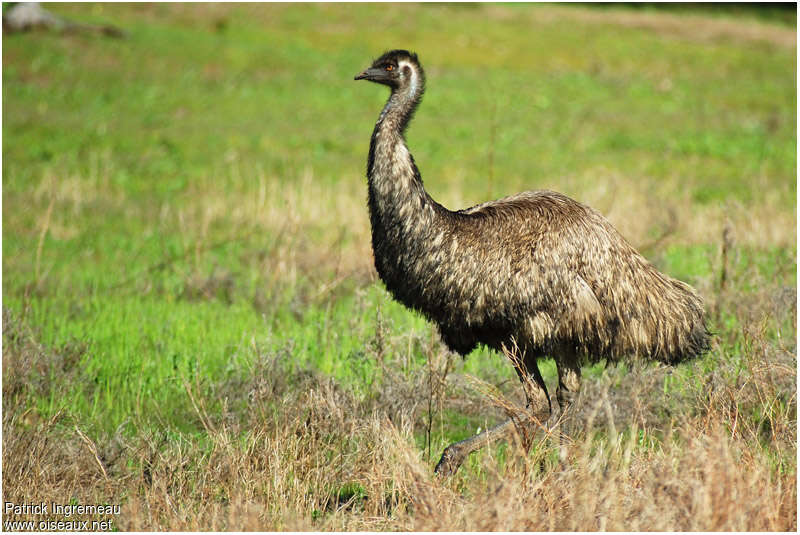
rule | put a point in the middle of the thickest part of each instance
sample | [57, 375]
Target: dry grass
[321, 229]
[317, 231]
[307, 454]
[326, 464]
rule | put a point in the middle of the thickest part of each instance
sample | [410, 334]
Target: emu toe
[451, 460]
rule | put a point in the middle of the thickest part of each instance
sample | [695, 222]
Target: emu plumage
[536, 271]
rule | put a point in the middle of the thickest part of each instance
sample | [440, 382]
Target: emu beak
[361, 76]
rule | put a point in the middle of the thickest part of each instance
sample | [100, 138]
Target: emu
[535, 272]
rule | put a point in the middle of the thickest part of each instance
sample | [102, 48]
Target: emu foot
[554, 420]
[451, 460]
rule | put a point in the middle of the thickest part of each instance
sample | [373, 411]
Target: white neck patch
[413, 84]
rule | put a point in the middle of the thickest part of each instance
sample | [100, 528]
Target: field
[193, 328]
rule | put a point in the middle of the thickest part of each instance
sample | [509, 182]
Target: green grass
[128, 166]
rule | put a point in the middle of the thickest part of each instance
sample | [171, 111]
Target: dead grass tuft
[308, 454]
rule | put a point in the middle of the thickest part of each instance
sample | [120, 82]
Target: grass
[193, 329]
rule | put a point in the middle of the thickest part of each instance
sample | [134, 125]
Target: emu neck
[396, 192]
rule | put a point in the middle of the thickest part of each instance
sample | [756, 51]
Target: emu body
[536, 271]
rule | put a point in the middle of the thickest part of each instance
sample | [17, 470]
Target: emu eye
[390, 67]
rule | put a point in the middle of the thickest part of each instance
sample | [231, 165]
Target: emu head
[399, 69]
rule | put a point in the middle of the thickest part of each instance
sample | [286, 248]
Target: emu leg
[538, 400]
[569, 384]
